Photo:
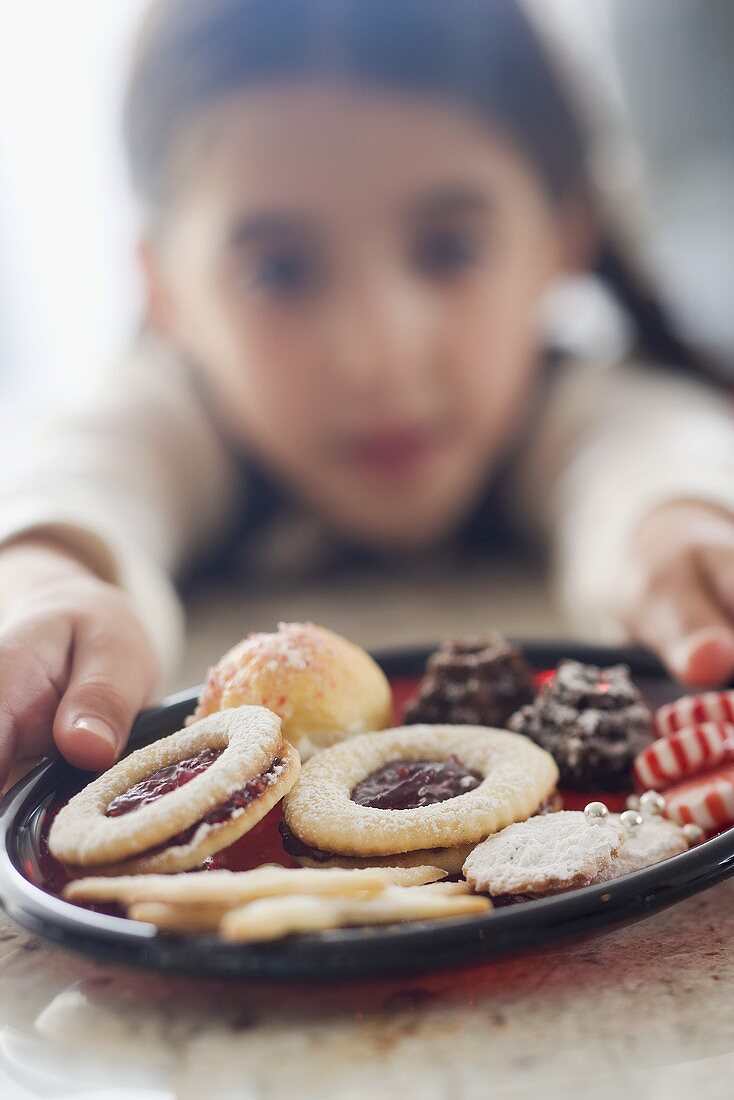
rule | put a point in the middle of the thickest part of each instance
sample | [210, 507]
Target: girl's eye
[284, 274]
[447, 252]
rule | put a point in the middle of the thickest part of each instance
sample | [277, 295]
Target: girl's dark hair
[483, 54]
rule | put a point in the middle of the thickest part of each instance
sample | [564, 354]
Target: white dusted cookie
[654, 840]
[544, 854]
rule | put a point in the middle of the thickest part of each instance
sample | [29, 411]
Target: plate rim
[351, 952]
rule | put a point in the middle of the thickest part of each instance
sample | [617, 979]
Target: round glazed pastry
[594, 722]
[170, 805]
[322, 687]
[473, 681]
[417, 788]
[545, 854]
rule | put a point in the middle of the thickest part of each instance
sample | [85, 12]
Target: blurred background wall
[68, 295]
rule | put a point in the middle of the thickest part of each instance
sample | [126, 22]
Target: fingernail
[98, 728]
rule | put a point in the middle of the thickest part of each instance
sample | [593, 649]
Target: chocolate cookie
[593, 721]
[472, 682]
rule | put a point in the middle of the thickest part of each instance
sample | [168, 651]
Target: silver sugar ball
[652, 803]
[631, 820]
[692, 833]
[633, 802]
[596, 812]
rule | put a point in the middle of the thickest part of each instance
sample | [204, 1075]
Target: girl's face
[357, 275]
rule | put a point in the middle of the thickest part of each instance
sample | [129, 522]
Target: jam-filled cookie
[544, 855]
[473, 681]
[428, 790]
[323, 687]
[170, 805]
[593, 721]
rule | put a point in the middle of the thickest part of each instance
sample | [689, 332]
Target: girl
[353, 210]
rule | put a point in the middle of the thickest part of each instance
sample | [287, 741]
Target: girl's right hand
[75, 662]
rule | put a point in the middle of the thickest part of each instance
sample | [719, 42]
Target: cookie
[199, 903]
[450, 860]
[323, 688]
[689, 710]
[236, 887]
[477, 681]
[592, 720]
[501, 778]
[544, 855]
[683, 754]
[171, 804]
[274, 918]
[653, 841]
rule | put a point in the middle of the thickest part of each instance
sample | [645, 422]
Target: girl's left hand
[675, 590]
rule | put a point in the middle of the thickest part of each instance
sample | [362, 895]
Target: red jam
[161, 782]
[407, 784]
[238, 800]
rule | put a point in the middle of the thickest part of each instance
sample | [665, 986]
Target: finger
[28, 701]
[8, 742]
[717, 566]
[684, 624]
[112, 677]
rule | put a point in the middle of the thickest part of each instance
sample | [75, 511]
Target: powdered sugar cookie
[545, 854]
[195, 791]
[417, 788]
[653, 841]
[323, 687]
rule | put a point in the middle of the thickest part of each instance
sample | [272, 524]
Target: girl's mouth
[394, 454]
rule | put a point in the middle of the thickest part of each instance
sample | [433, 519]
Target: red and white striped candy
[684, 754]
[690, 710]
[707, 801]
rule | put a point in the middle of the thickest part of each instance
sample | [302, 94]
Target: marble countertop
[645, 1012]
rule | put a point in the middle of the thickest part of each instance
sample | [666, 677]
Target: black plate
[349, 952]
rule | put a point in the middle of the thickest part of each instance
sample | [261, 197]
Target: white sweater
[140, 482]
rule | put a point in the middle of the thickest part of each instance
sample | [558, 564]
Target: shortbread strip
[273, 918]
[208, 839]
[83, 835]
[545, 854]
[236, 887]
[178, 918]
[516, 777]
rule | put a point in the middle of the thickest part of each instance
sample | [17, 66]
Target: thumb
[112, 677]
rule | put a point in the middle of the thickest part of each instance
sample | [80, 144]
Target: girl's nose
[383, 342]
